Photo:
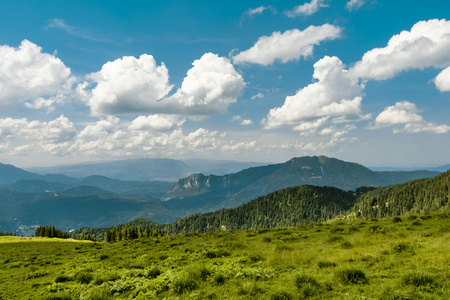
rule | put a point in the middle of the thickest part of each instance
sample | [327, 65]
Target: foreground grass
[406, 258]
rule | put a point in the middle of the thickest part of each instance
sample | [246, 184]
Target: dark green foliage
[62, 278]
[219, 279]
[418, 279]
[281, 295]
[289, 207]
[305, 280]
[184, 285]
[84, 277]
[422, 195]
[51, 232]
[351, 276]
[402, 247]
[397, 220]
[325, 264]
[153, 273]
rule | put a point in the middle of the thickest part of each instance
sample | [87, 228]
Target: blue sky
[364, 81]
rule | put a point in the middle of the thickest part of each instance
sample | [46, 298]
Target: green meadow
[404, 257]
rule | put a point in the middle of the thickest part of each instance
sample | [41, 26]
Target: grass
[344, 260]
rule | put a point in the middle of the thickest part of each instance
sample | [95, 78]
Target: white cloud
[354, 4]
[334, 94]
[425, 45]
[27, 74]
[129, 85]
[246, 122]
[442, 81]
[259, 10]
[258, 96]
[156, 123]
[209, 87]
[406, 113]
[137, 86]
[287, 46]
[306, 9]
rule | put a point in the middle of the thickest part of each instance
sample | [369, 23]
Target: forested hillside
[284, 208]
[418, 196]
[310, 204]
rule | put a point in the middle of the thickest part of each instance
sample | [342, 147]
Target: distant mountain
[132, 169]
[145, 169]
[208, 193]
[10, 174]
[441, 169]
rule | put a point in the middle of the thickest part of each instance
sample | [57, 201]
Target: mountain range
[29, 199]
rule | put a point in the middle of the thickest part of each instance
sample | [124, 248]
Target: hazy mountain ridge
[234, 189]
[146, 169]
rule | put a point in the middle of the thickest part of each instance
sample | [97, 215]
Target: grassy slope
[402, 260]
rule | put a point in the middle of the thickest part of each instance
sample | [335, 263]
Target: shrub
[103, 257]
[84, 277]
[412, 217]
[302, 281]
[200, 273]
[325, 264]
[402, 247]
[183, 285]
[219, 279]
[266, 239]
[416, 223]
[153, 273]
[62, 278]
[256, 257]
[215, 254]
[337, 230]
[418, 279]
[334, 239]
[353, 229]
[351, 276]
[281, 295]
[374, 220]
[282, 247]
[397, 220]
[346, 245]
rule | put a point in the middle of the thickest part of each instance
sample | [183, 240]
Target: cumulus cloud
[156, 123]
[425, 45]
[209, 87]
[354, 4]
[129, 85]
[442, 81]
[242, 121]
[287, 46]
[335, 94]
[137, 85]
[28, 74]
[406, 113]
[306, 9]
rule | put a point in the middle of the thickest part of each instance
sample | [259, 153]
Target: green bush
[337, 230]
[412, 217]
[281, 295]
[219, 279]
[84, 277]
[418, 279]
[62, 278]
[325, 264]
[346, 245]
[302, 281]
[153, 273]
[402, 247]
[183, 285]
[351, 276]
[397, 220]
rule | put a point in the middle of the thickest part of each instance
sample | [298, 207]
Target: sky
[360, 80]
